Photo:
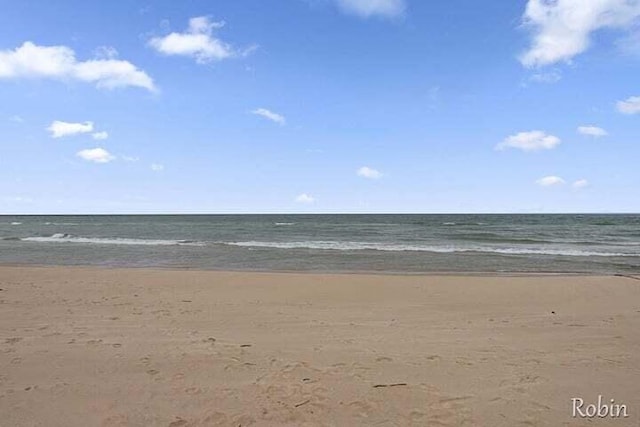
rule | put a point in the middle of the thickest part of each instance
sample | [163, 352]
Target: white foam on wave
[627, 243]
[16, 223]
[284, 223]
[355, 246]
[67, 238]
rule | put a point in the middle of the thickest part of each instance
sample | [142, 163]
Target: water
[392, 243]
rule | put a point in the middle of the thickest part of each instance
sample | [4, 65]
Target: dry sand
[127, 347]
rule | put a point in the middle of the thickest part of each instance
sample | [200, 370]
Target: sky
[319, 106]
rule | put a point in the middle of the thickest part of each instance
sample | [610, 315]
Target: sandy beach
[135, 347]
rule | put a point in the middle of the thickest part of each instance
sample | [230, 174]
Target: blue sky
[320, 106]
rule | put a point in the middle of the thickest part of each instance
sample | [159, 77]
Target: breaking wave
[68, 238]
[360, 246]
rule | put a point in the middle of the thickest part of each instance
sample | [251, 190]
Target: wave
[68, 238]
[361, 246]
[16, 223]
[449, 224]
[284, 223]
[501, 238]
[627, 243]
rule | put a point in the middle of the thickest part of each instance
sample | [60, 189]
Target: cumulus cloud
[157, 167]
[100, 135]
[60, 63]
[549, 181]
[59, 129]
[561, 29]
[305, 198]
[198, 42]
[369, 173]
[592, 131]
[581, 183]
[629, 106]
[270, 115]
[530, 141]
[106, 52]
[96, 155]
[368, 8]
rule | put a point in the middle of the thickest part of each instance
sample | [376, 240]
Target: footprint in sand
[529, 379]
[464, 362]
[193, 390]
[362, 409]
[116, 421]
[13, 340]
[216, 419]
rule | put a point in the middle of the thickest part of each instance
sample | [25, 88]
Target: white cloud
[58, 128]
[367, 172]
[96, 155]
[553, 76]
[197, 42]
[130, 159]
[157, 167]
[100, 135]
[592, 131]
[60, 63]
[530, 141]
[106, 52]
[581, 183]
[549, 181]
[562, 28]
[305, 198]
[16, 119]
[629, 106]
[270, 115]
[367, 8]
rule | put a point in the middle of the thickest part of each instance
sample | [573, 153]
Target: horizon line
[314, 213]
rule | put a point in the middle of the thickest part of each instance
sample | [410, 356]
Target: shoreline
[331, 272]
